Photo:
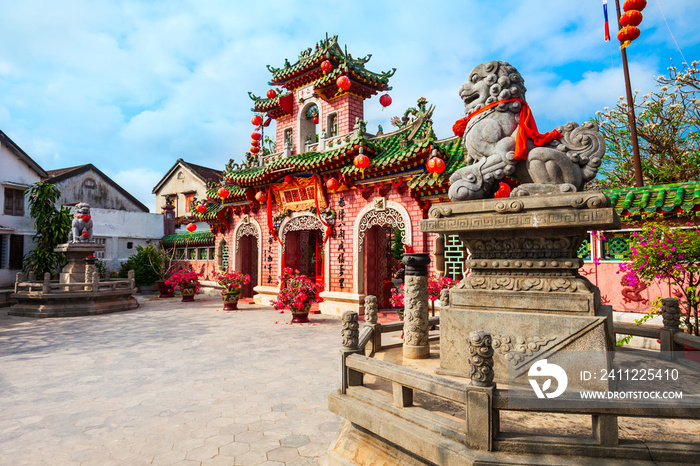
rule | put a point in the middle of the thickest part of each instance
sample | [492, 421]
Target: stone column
[480, 359]
[671, 315]
[415, 327]
[371, 309]
[351, 341]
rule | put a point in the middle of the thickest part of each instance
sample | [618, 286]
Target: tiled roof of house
[196, 238]
[661, 199]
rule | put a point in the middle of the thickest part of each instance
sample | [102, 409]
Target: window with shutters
[14, 202]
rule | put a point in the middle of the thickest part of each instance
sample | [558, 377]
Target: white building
[17, 172]
[120, 221]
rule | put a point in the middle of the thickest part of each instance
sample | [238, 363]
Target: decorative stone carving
[371, 309]
[444, 298]
[517, 348]
[351, 330]
[245, 229]
[81, 227]
[387, 216]
[670, 312]
[561, 166]
[480, 359]
[303, 222]
[415, 343]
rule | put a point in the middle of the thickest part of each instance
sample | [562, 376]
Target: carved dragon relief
[517, 348]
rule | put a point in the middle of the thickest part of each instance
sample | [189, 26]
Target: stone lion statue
[81, 228]
[502, 141]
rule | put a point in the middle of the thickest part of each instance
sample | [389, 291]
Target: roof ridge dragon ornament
[502, 141]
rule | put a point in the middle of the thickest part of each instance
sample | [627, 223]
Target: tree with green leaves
[668, 128]
[52, 225]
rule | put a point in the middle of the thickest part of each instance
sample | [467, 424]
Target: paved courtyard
[168, 383]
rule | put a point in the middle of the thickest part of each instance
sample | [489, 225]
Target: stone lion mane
[564, 165]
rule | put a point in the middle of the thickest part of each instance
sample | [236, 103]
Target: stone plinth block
[76, 253]
[524, 287]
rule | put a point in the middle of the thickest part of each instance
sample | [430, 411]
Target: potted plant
[186, 282]
[232, 282]
[297, 294]
[162, 261]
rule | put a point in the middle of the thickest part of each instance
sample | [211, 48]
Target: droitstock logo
[542, 369]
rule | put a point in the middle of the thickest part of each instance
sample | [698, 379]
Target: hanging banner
[296, 193]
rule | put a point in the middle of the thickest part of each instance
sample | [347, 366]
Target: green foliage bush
[141, 263]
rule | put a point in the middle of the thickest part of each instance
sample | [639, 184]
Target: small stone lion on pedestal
[81, 228]
[502, 141]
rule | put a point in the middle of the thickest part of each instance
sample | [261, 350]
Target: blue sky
[131, 86]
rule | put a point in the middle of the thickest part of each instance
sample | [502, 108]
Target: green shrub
[140, 263]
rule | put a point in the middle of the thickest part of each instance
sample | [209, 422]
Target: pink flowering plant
[184, 279]
[298, 292]
[660, 252]
[233, 282]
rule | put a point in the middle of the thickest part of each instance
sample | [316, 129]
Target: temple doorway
[380, 263]
[248, 257]
[304, 251]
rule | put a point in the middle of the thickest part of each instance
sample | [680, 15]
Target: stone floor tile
[294, 441]
[169, 457]
[264, 445]
[220, 460]
[282, 454]
[248, 437]
[203, 453]
[233, 429]
[306, 461]
[234, 449]
[313, 449]
[251, 458]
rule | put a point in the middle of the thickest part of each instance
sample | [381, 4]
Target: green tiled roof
[307, 70]
[666, 198]
[196, 238]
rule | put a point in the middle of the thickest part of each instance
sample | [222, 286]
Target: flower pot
[231, 299]
[188, 295]
[164, 290]
[301, 317]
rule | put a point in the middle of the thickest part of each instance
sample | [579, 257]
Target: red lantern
[271, 94]
[343, 83]
[255, 143]
[223, 193]
[326, 66]
[361, 162]
[385, 100]
[191, 227]
[627, 34]
[255, 135]
[332, 184]
[86, 218]
[254, 149]
[435, 166]
[85, 234]
[261, 196]
[315, 120]
[256, 120]
[503, 191]
[201, 208]
[638, 5]
[631, 18]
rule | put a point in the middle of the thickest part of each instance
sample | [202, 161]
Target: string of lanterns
[629, 21]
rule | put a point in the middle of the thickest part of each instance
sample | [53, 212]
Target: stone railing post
[415, 327]
[18, 280]
[671, 315]
[32, 276]
[95, 282]
[371, 309]
[46, 286]
[482, 421]
[351, 342]
[132, 279]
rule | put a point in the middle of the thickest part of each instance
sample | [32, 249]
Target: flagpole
[639, 179]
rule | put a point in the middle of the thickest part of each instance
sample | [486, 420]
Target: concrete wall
[121, 231]
[90, 187]
[180, 182]
[14, 173]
